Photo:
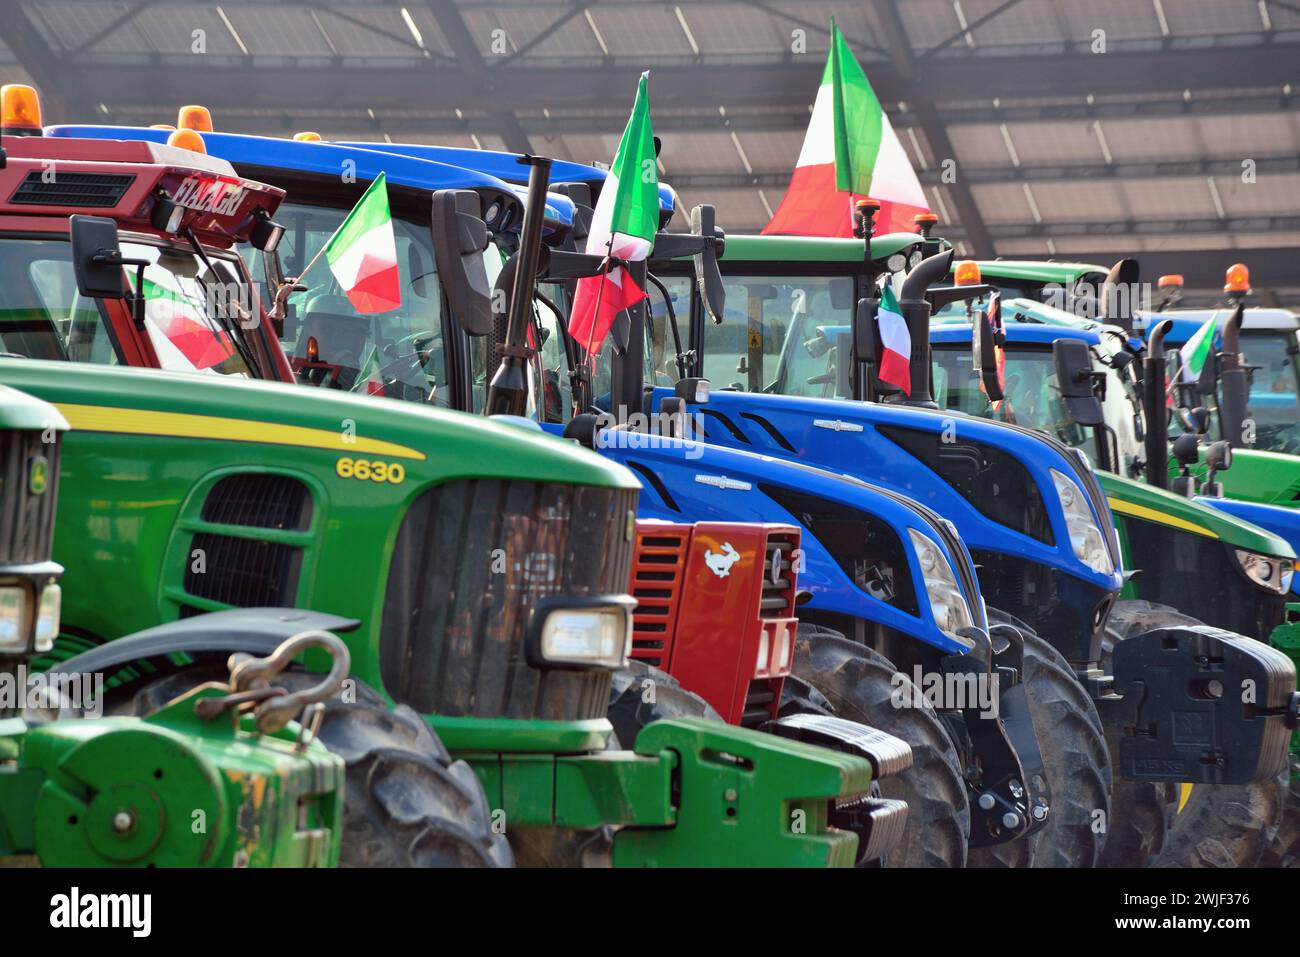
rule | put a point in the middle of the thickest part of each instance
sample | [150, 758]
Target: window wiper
[233, 330]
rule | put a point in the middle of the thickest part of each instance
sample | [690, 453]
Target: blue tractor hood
[867, 568]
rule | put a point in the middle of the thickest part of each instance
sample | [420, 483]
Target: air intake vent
[657, 568]
[98, 190]
[244, 572]
[259, 500]
[761, 700]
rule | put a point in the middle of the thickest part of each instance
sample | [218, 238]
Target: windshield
[778, 334]
[1034, 401]
[400, 353]
[42, 316]
[1274, 396]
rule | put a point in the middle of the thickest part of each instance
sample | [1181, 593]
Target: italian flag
[1196, 350]
[895, 343]
[850, 152]
[623, 227]
[363, 254]
[179, 330]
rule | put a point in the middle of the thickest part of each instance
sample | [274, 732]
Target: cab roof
[1038, 270]
[1187, 321]
[126, 180]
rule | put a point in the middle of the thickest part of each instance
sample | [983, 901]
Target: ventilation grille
[778, 596]
[472, 560]
[243, 572]
[100, 190]
[657, 570]
[26, 518]
[761, 701]
[259, 501]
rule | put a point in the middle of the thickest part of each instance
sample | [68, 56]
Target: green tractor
[483, 573]
[221, 776]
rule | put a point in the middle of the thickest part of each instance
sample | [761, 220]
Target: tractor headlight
[1266, 571]
[13, 612]
[947, 603]
[581, 633]
[47, 618]
[1086, 539]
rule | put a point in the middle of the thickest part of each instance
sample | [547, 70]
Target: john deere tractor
[221, 776]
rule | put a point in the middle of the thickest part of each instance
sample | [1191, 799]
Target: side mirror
[864, 330]
[96, 257]
[1074, 378]
[459, 239]
[984, 349]
[708, 274]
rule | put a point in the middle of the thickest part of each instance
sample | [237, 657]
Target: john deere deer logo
[720, 562]
[38, 474]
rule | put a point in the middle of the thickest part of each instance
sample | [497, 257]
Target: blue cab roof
[506, 166]
[1023, 332]
[370, 159]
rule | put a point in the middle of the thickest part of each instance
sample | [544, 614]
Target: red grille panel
[657, 569]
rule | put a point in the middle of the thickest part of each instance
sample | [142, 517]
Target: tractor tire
[629, 712]
[1222, 825]
[1284, 849]
[860, 685]
[1075, 759]
[408, 803]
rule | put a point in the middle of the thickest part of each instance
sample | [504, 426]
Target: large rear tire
[1222, 825]
[1284, 849]
[408, 803]
[1075, 760]
[861, 686]
[641, 694]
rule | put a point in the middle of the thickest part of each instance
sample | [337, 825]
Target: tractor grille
[243, 572]
[472, 559]
[657, 569]
[26, 516]
[72, 189]
[259, 500]
[761, 701]
[778, 595]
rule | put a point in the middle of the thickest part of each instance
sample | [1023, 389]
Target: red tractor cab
[716, 610]
[124, 252]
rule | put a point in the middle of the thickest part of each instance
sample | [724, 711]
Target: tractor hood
[1130, 497]
[428, 442]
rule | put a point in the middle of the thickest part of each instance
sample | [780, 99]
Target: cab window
[42, 316]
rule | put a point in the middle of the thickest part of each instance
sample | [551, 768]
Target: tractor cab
[124, 253]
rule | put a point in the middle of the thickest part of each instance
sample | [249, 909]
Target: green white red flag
[623, 227]
[362, 253]
[850, 152]
[895, 342]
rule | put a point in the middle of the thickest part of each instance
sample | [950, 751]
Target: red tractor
[716, 610]
[169, 215]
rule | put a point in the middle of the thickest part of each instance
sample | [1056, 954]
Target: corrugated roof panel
[1079, 201]
[699, 153]
[1028, 22]
[352, 39]
[1272, 194]
[1152, 138]
[587, 147]
[1119, 19]
[171, 28]
[641, 29]
[1171, 197]
[430, 32]
[852, 16]
[737, 28]
[1247, 134]
[1072, 141]
[522, 23]
[739, 210]
[769, 150]
[929, 21]
[286, 31]
[1212, 17]
[998, 203]
[978, 144]
[68, 25]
